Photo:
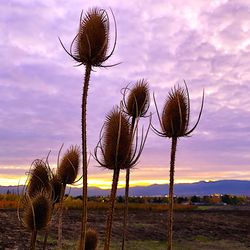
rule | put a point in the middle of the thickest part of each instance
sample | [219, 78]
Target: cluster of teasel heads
[119, 146]
[45, 191]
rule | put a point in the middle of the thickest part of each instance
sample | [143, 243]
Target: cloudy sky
[207, 43]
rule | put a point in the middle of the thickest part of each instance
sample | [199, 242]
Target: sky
[207, 43]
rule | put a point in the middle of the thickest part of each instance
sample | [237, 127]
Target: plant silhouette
[89, 48]
[136, 104]
[174, 123]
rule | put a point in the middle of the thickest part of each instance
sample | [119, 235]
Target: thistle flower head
[175, 113]
[37, 212]
[39, 177]
[175, 116]
[117, 141]
[69, 165]
[91, 239]
[137, 102]
[90, 45]
[115, 149]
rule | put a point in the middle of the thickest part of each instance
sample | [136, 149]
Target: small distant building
[215, 198]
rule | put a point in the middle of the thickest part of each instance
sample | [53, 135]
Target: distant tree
[195, 199]
[206, 199]
[79, 197]
[180, 200]
[232, 200]
[120, 199]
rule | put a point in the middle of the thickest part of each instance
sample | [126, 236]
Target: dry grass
[70, 203]
[10, 201]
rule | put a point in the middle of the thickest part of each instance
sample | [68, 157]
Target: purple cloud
[206, 43]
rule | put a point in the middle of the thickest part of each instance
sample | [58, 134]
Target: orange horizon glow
[106, 183]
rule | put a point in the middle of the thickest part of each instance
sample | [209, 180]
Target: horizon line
[104, 187]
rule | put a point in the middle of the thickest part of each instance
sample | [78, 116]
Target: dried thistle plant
[136, 102]
[90, 48]
[174, 123]
[115, 151]
[66, 174]
[69, 166]
[91, 239]
[37, 214]
[39, 181]
[39, 178]
[56, 191]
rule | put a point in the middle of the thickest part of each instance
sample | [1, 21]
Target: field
[218, 228]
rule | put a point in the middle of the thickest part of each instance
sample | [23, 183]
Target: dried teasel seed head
[138, 100]
[175, 113]
[37, 212]
[117, 140]
[91, 239]
[56, 189]
[69, 165]
[92, 39]
[38, 178]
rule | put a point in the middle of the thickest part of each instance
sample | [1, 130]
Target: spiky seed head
[69, 165]
[117, 140]
[175, 113]
[38, 178]
[91, 239]
[56, 187]
[138, 100]
[37, 212]
[91, 43]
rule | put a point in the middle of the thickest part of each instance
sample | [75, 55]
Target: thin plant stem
[60, 215]
[111, 209]
[125, 215]
[84, 157]
[33, 240]
[171, 196]
[46, 237]
[47, 231]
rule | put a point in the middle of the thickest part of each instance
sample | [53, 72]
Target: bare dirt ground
[209, 225]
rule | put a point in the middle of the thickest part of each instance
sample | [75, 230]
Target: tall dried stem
[174, 124]
[171, 194]
[33, 240]
[125, 215]
[60, 215]
[47, 231]
[84, 157]
[111, 209]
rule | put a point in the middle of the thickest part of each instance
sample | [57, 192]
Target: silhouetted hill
[234, 187]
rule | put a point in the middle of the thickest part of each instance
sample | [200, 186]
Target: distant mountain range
[233, 187]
